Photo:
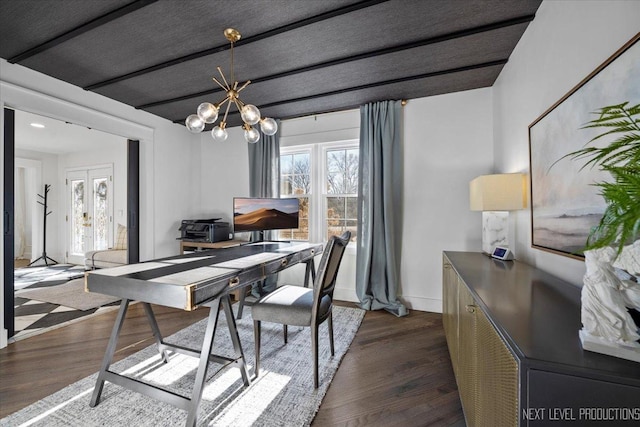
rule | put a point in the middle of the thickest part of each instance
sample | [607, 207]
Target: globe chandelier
[207, 112]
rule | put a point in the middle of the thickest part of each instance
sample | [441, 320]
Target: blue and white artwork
[565, 204]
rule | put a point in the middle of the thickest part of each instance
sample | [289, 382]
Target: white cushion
[121, 238]
[105, 258]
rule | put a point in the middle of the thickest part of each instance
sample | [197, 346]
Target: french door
[89, 219]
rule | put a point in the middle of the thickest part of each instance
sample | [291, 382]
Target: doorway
[129, 213]
[89, 211]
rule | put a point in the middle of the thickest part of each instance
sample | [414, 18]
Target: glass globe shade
[268, 126]
[252, 135]
[219, 134]
[207, 112]
[250, 114]
[194, 123]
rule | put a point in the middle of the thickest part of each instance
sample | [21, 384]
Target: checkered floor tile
[33, 317]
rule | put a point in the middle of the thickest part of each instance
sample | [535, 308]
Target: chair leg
[314, 347]
[256, 336]
[330, 324]
[285, 330]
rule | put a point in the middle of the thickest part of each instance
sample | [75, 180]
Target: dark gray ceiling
[302, 56]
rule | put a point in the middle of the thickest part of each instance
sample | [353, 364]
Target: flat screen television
[261, 214]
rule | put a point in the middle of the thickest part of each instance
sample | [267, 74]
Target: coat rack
[44, 256]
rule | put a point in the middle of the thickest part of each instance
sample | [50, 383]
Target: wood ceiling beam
[364, 55]
[245, 40]
[376, 84]
[94, 23]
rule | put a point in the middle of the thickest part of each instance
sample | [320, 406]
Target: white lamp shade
[501, 192]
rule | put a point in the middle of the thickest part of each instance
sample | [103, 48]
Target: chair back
[328, 269]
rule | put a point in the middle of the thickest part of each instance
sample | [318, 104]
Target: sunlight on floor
[55, 408]
[253, 401]
[167, 373]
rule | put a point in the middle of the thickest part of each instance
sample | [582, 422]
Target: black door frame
[8, 217]
[133, 212]
[133, 201]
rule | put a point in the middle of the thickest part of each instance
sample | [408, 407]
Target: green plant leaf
[620, 223]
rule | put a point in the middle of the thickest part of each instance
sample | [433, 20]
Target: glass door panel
[78, 215]
[100, 213]
[90, 211]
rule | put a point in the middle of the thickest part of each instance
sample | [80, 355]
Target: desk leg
[243, 295]
[156, 330]
[310, 270]
[108, 355]
[207, 346]
[235, 338]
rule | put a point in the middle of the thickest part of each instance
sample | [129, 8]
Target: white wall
[224, 174]
[566, 41]
[49, 175]
[448, 141]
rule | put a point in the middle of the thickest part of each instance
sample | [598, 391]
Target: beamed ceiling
[302, 56]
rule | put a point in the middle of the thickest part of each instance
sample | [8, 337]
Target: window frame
[319, 194]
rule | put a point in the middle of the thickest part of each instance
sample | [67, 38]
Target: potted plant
[611, 292]
[620, 224]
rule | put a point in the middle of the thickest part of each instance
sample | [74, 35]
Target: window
[295, 181]
[324, 177]
[341, 184]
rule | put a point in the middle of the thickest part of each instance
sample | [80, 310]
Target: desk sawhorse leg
[188, 404]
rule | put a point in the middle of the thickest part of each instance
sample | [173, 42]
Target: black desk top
[537, 314]
[188, 281]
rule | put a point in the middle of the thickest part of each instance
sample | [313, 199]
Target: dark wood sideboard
[512, 332]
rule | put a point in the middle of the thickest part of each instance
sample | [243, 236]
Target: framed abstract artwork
[564, 203]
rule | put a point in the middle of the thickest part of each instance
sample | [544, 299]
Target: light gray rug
[70, 294]
[283, 395]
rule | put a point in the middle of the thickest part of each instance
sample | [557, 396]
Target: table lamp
[495, 196]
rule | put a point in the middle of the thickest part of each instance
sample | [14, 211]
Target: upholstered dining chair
[300, 306]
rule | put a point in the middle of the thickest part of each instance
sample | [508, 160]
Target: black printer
[204, 230]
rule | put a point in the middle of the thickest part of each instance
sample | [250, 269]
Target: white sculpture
[607, 326]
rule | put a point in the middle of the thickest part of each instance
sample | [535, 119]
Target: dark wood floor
[397, 371]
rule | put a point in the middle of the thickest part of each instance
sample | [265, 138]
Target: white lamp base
[495, 230]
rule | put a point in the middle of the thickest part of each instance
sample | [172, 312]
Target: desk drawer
[245, 278]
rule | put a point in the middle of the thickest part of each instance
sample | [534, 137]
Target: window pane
[286, 164]
[295, 174]
[352, 208]
[335, 207]
[100, 214]
[335, 161]
[335, 183]
[77, 216]
[286, 185]
[351, 172]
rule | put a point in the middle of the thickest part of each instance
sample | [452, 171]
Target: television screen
[258, 214]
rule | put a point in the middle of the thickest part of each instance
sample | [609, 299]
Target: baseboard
[345, 294]
[432, 305]
[3, 338]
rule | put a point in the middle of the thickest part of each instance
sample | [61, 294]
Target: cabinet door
[467, 353]
[497, 399]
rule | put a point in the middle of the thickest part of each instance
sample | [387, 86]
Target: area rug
[46, 275]
[70, 294]
[283, 395]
